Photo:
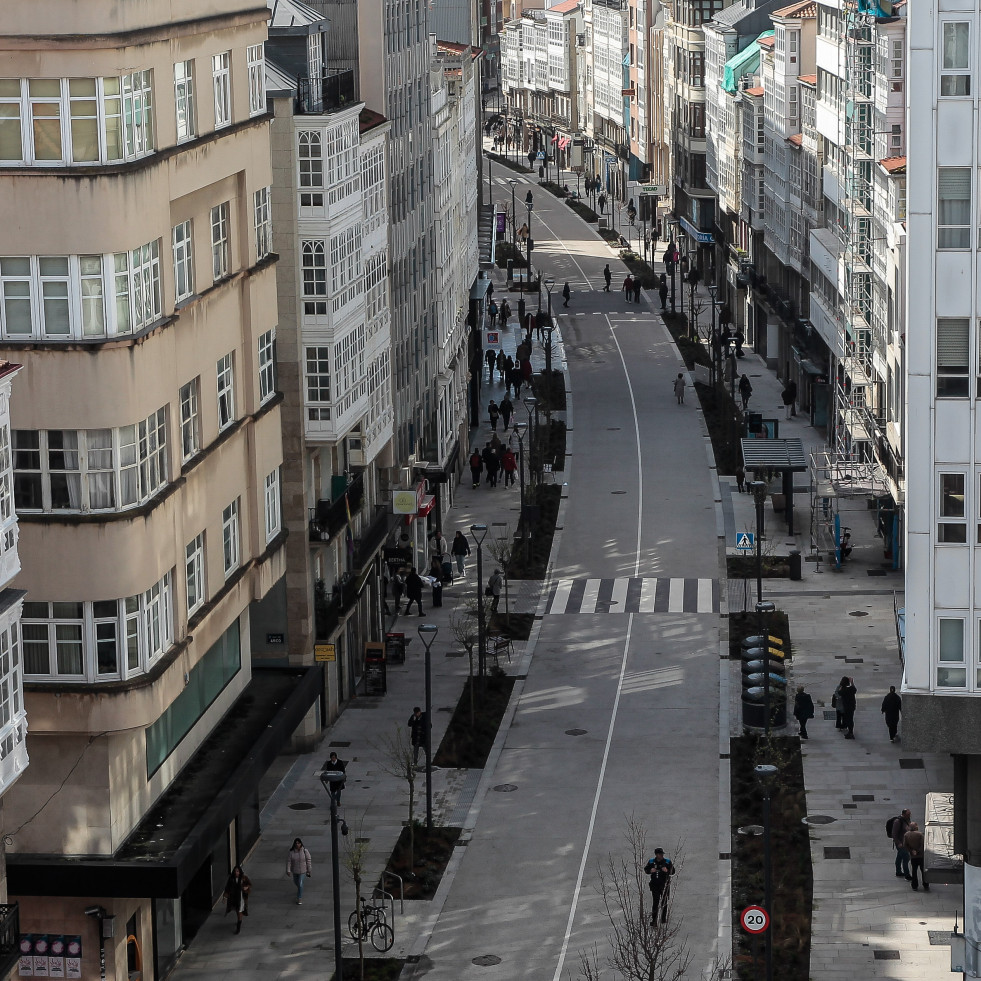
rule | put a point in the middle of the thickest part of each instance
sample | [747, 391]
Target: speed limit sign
[754, 919]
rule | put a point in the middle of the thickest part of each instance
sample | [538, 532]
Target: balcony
[329, 518]
[329, 607]
[336, 90]
[373, 536]
[9, 936]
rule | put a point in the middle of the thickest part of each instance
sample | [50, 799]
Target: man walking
[417, 732]
[413, 592]
[660, 870]
[892, 708]
[900, 825]
[637, 289]
[336, 786]
[566, 293]
[607, 277]
[913, 842]
[662, 292]
[803, 710]
[679, 388]
[495, 583]
[628, 287]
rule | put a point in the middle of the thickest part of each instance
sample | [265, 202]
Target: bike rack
[401, 883]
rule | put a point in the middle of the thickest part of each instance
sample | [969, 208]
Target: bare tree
[355, 853]
[501, 548]
[640, 949]
[464, 627]
[398, 760]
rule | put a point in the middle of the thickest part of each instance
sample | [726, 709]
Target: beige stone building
[138, 290]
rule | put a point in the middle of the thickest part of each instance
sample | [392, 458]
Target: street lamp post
[479, 533]
[529, 204]
[758, 487]
[766, 775]
[327, 778]
[531, 404]
[427, 634]
[763, 611]
[715, 349]
[519, 431]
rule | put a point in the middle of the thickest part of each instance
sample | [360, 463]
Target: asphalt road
[619, 712]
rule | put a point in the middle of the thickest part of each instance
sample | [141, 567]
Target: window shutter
[954, 183]
[952, 343]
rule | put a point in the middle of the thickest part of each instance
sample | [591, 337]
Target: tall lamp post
[763, 612]
[427, 634]
[529, 204]
[514, 217]
[531, 403]
[715, 349]
[519, 431]
[758, 487]
[766, 775]
[327, 778]
[479, 533]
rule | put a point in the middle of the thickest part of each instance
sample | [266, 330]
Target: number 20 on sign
[754, 919]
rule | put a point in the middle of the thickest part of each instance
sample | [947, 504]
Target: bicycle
[371, 924]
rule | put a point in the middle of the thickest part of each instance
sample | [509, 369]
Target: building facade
[138, 290]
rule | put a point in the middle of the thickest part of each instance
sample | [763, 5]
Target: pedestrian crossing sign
[744, 541]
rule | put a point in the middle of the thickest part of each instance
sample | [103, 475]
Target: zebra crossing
[634, 594]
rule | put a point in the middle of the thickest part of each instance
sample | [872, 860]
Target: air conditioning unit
[355, 451]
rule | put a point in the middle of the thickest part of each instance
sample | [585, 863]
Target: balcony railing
[373, 536]
[9, 937]
[335, 91]
[329, 518]
[330, 606]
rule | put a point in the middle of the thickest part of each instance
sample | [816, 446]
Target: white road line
[561, 598]
[588, 604]
[648, 591]
[676, 596]
[619, 597]
[705, 594]
[559, 241]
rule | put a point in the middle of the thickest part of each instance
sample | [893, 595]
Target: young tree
[464, 627]
[501, 548]
[398, 760]
[355, 853]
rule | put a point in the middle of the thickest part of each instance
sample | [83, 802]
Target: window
[954, 210]
[953, 357]
[230, 543]
[257, 80]
[194, 573]
[267, 365]
[226, 392]
[219, 242]
[273, 515]
[311, 169]
[950, 654]
[951, 524]
[222, 86]
[184, 100]
[183, 261]
[190, 421]
[93, 641]
[955, 64]
[314, 259]
[137, 113]
[318, 384]
[263, 222]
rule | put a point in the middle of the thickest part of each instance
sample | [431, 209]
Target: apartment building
[942, 677]
[333, 346]
[607, 56]
[137, 288]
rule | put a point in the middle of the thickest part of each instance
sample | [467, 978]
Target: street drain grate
[858, 613]
[939, 938]
[858, 797]
[506, 788]
[576, 732]
[837, 851]
[875, 572]
[849, 807]
[911, 764]
[885, 955]
[339, 743]
[302, 806]
[486, 960]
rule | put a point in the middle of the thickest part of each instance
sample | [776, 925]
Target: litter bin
[754, 710]
[795, 566]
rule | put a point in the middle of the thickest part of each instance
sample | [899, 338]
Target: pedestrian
[334, 765]
[803, 710]
[491, 358]
[413, 591]
[679, 388]
[237, 889]
[398, 587]
[492, 464]
[521, 310]
[607, 277]
[601, 201]
[566, 293]
[740, 478]
[892, 708]
[501, 364]
[913, 843]
[494, 586]
[846, 693]
[507, 410]
[300, 866]
[417, 732]
[494, 413]
[637, 289]
[476, 468]
[526, 372]
[897, 829]
[788, 396]
[490, 289]
[517, 380]
[726, 340]
[739, 339]
[505, 313]
[492, 310]
[662, 293]
[436, 581]
[497, 446]
[460, 550]
[745, 391]
[660, 870]
[628, 287]
[509, 464]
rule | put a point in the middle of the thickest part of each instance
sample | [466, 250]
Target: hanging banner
[25, 966]
[73, 957]
[41, 946]
[56, 957]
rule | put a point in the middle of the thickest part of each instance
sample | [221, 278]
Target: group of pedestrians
[502, 411]
[495, 458]
[513, 371]
[907, 840]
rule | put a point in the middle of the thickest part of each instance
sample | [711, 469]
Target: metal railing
[329, 518]
[9, 937]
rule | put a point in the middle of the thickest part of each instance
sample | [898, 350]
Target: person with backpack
[660, 870]
[896, 828]
[476, 469]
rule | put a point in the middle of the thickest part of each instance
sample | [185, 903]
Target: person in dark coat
[892, 708]
[476, 468]
[491, 358]
[637, 289]
[521, 310]
[491, 464]
[662, 293]
[846, 700]
[436, 580]
[413, 591]
[803, 710]
[398, 587]
[789, 397]
[628, 287]
[900, 825]
[745, 391]
[237, 890]
[417, 732]
[509, 464]
[660, 870]
[607, 277]
[566, 293]
[494, 413]
[507, 410]
[336, 765]
[460, 549]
